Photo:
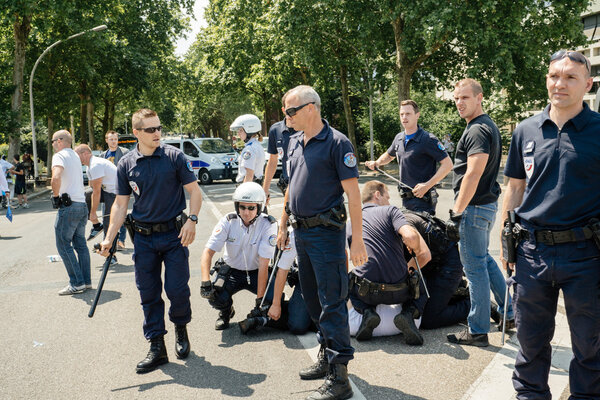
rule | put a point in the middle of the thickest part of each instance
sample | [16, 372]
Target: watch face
[194, 218]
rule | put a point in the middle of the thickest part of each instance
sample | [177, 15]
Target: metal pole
[33, 139]
[371, 117]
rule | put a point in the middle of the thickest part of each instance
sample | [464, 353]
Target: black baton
[111, 253]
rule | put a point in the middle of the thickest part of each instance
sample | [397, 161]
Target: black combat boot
[182, 342]
[223, 320]
[157, 355]
[406, 323]
[370, 320]
[319, 369]
[251, 323]
[336, 386]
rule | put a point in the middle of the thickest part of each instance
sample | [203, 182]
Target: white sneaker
[25, 205]
[70, 290]
[89, 286]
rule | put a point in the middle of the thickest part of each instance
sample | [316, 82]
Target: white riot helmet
[249, 192]
[249, 122]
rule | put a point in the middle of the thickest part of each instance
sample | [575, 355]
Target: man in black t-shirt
[476, 194]
[20, 184]
[385, 277]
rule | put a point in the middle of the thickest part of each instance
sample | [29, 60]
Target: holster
[413, 284]
[406, 193]
[180, 220]
[282, 184]
[335, 217]
[222, 270]
[65, 200]
[129, 226]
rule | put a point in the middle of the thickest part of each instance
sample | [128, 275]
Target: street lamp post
[33, 140]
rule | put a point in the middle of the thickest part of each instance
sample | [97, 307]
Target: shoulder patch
[189, 165]
[350, 160]
[231, 216]
[441, 146]
[247, 155]
[273, 240]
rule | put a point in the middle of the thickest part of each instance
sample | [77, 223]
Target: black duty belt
[366, 284]
[149, 229]
[551, 238]
[336, 217]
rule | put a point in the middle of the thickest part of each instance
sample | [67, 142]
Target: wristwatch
[193, 218]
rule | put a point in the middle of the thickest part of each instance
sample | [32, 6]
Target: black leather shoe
[405, 322]
[223, 320]
[319, 369]
[336, 386]
[370, 320]
[182, 342]
[466, 338]
[247, 325]
[510, 325]
[494, 314]
[157, 355]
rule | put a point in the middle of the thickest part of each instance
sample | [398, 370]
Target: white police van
[211, 158]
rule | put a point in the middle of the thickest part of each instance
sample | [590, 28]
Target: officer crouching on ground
[385, 278]
[443, 274]
[157, 174]
[249, 237]
[252, 159]
[293, 313]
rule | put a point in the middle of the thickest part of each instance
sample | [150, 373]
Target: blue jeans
[109, 199]
[481, 269]
[298, 318]
[324, 283]
[69, 229]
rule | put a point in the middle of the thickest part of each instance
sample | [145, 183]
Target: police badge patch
[246, 155]
[441, 147]
[273, 240]
[189, 166]
[135, 187]
[350, 160]
[529, 164]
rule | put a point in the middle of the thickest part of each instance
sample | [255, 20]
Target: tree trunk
[21, 29]
[90, 121]
[49, 146]
[105, 117]
[404, 70]
[82, 120]
[111, 117]
[347, 107]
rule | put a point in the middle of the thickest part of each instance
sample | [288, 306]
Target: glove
[206, 290]
[56, 202]
[292, 278]
[452, 226]
[257, 311]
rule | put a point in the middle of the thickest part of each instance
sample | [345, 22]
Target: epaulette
[231, 216]
[271, 218]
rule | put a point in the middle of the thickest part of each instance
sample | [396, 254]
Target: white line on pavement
[308, 340]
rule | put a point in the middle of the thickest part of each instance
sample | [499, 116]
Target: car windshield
[211, 146]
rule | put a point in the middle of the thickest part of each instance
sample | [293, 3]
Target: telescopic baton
[421, 275]
[278, 253]
[111, 253]
[398, 181]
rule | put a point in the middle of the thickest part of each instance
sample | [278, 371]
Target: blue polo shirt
[279, 139]
[561, 168]
[156, 182]
[385, 248]
[417, 157]
[317, 169]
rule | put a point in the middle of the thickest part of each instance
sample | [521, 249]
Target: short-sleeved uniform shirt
[561, 169]
[384, 244]
[279, 139]
[252, 157]
[72, 177]
[244, 245]
[105, 169]
[317, 169]
[480, 136]
[156, 182]
[417, 158]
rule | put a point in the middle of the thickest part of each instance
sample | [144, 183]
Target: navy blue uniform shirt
[481, 136]
[561, 168]
[317, 169]
[279, 139]
[156, 182]
[417, 160]
[384, 244]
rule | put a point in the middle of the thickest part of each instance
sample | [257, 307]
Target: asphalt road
[50, 348]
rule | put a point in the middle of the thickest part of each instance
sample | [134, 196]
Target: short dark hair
[16, 156]
[410, 103]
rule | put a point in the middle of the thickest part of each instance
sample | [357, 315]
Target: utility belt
[366, 287]
[148, 229]
[406, 193]
[335, 217]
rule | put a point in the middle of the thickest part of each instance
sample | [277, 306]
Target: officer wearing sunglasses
[157, 174]
[322, 167]
[553, 165]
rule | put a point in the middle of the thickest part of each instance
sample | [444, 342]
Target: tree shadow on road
[200, 374]
[381, 392]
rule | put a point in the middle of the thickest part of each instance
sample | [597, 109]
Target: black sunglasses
[151, 129]
[573, 56]
[249, 208]
[293, 110]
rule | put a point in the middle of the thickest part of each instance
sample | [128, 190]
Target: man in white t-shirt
[102, 176]
[5, 166]
[68, 197]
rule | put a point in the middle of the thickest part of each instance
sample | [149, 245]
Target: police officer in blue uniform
[321, 167]
[385, 278]
[553, 165]
[157, 174]
[418, 153]
[279, 138]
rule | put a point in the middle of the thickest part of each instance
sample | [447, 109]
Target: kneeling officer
[249, 237]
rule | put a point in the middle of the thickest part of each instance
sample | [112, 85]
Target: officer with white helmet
[249, 237]
[252, 160]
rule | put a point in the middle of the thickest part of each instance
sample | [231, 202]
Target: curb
[38, 194]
